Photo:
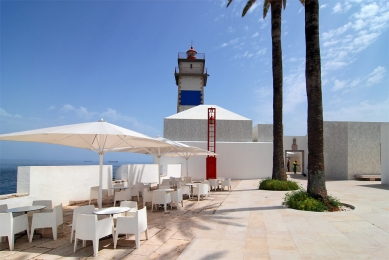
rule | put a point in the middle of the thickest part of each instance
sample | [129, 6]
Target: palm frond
[284, 3]
[229, 2]
[249, 4]
[266, 7]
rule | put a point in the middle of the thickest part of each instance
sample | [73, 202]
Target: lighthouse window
[190, 65]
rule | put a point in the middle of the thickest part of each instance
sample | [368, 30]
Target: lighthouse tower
[191, 78]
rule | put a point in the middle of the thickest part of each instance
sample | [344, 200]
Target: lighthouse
[191, 78]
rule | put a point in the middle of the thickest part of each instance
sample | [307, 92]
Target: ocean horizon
[9, 169]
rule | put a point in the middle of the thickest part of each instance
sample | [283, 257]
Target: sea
[9, 169]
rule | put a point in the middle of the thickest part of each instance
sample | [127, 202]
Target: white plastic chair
[131, 204]
[3, 207]
[47, 219]
[161, 197]
[47, 203]
[207, 182]
[89, 228]
[201, 189]
[213, 183]
[126, 194]
[94, 193]
[177, 198]
[188, 179]
[147, 196]
[163, 187]
[9, 226]
[226, 183]
[166, 182]
[185, 189]
[132, 225]
[88, 209]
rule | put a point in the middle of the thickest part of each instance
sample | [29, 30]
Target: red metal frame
[211, 160]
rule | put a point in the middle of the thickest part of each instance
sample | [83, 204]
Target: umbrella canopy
[101, 137]
[189, 151]
[174, 149]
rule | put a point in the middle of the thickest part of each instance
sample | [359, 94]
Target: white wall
[135, 173]
[385, 153]
[235, 160]
[61, 184]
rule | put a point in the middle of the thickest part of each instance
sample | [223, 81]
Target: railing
[199, 56]
[189, 70]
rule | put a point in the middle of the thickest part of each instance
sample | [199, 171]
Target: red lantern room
[191, 53]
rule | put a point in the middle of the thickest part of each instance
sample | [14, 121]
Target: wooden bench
[367, 177]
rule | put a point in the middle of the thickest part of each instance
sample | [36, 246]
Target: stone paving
[245, 223]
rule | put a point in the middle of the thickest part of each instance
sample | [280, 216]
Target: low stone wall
[61, 184]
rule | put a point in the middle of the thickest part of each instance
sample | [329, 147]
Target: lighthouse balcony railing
[188, 70]
[199, 56]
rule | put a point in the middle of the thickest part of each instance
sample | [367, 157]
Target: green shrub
[270, 184]
[301, 200]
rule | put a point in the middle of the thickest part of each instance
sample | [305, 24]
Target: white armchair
[89, 228]
[202, 189]
[9, 226]
[47, 219]
[177, 198]
[94, 193]
[166, 182]
[188, 179]
[3, 207]
[132, 225]
[47, 203]
[226, 183]
[131, 204]
[147, 196]
[88, 209]
[213, 183]
[161, 197]
[185, 189]
[126, 194]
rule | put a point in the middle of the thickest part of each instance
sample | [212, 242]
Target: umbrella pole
[187, 171]
[159, 168]
[100, 196]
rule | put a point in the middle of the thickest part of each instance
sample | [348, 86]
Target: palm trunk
[278, 133]
[316, 175]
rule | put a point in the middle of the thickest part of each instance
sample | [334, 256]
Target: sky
[68, 62]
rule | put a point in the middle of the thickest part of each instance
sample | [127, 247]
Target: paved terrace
[245, 223]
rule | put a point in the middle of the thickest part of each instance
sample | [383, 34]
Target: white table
[111, 211]
[120, 187]
[166, 190]
[25, 209]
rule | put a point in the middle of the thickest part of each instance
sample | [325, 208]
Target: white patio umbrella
[173, 149]
[189, 151]
[100, 137]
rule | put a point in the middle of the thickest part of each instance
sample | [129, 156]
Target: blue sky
[67, 62]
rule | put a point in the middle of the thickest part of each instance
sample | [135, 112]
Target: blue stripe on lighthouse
[190, 98]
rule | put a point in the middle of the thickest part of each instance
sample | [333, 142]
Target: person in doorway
[295, 166]
[288, 165]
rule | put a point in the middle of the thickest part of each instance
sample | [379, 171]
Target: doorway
[295, 155]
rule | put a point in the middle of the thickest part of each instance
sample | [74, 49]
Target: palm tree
[278, 171]
[316, 175]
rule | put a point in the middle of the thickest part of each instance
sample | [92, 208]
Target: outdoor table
[120, 187]
[166, 190]
[111, 211]
[25, 209]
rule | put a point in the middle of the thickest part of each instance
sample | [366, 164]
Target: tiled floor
[245, 223]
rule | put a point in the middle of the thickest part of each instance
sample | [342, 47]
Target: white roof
[201, 112]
